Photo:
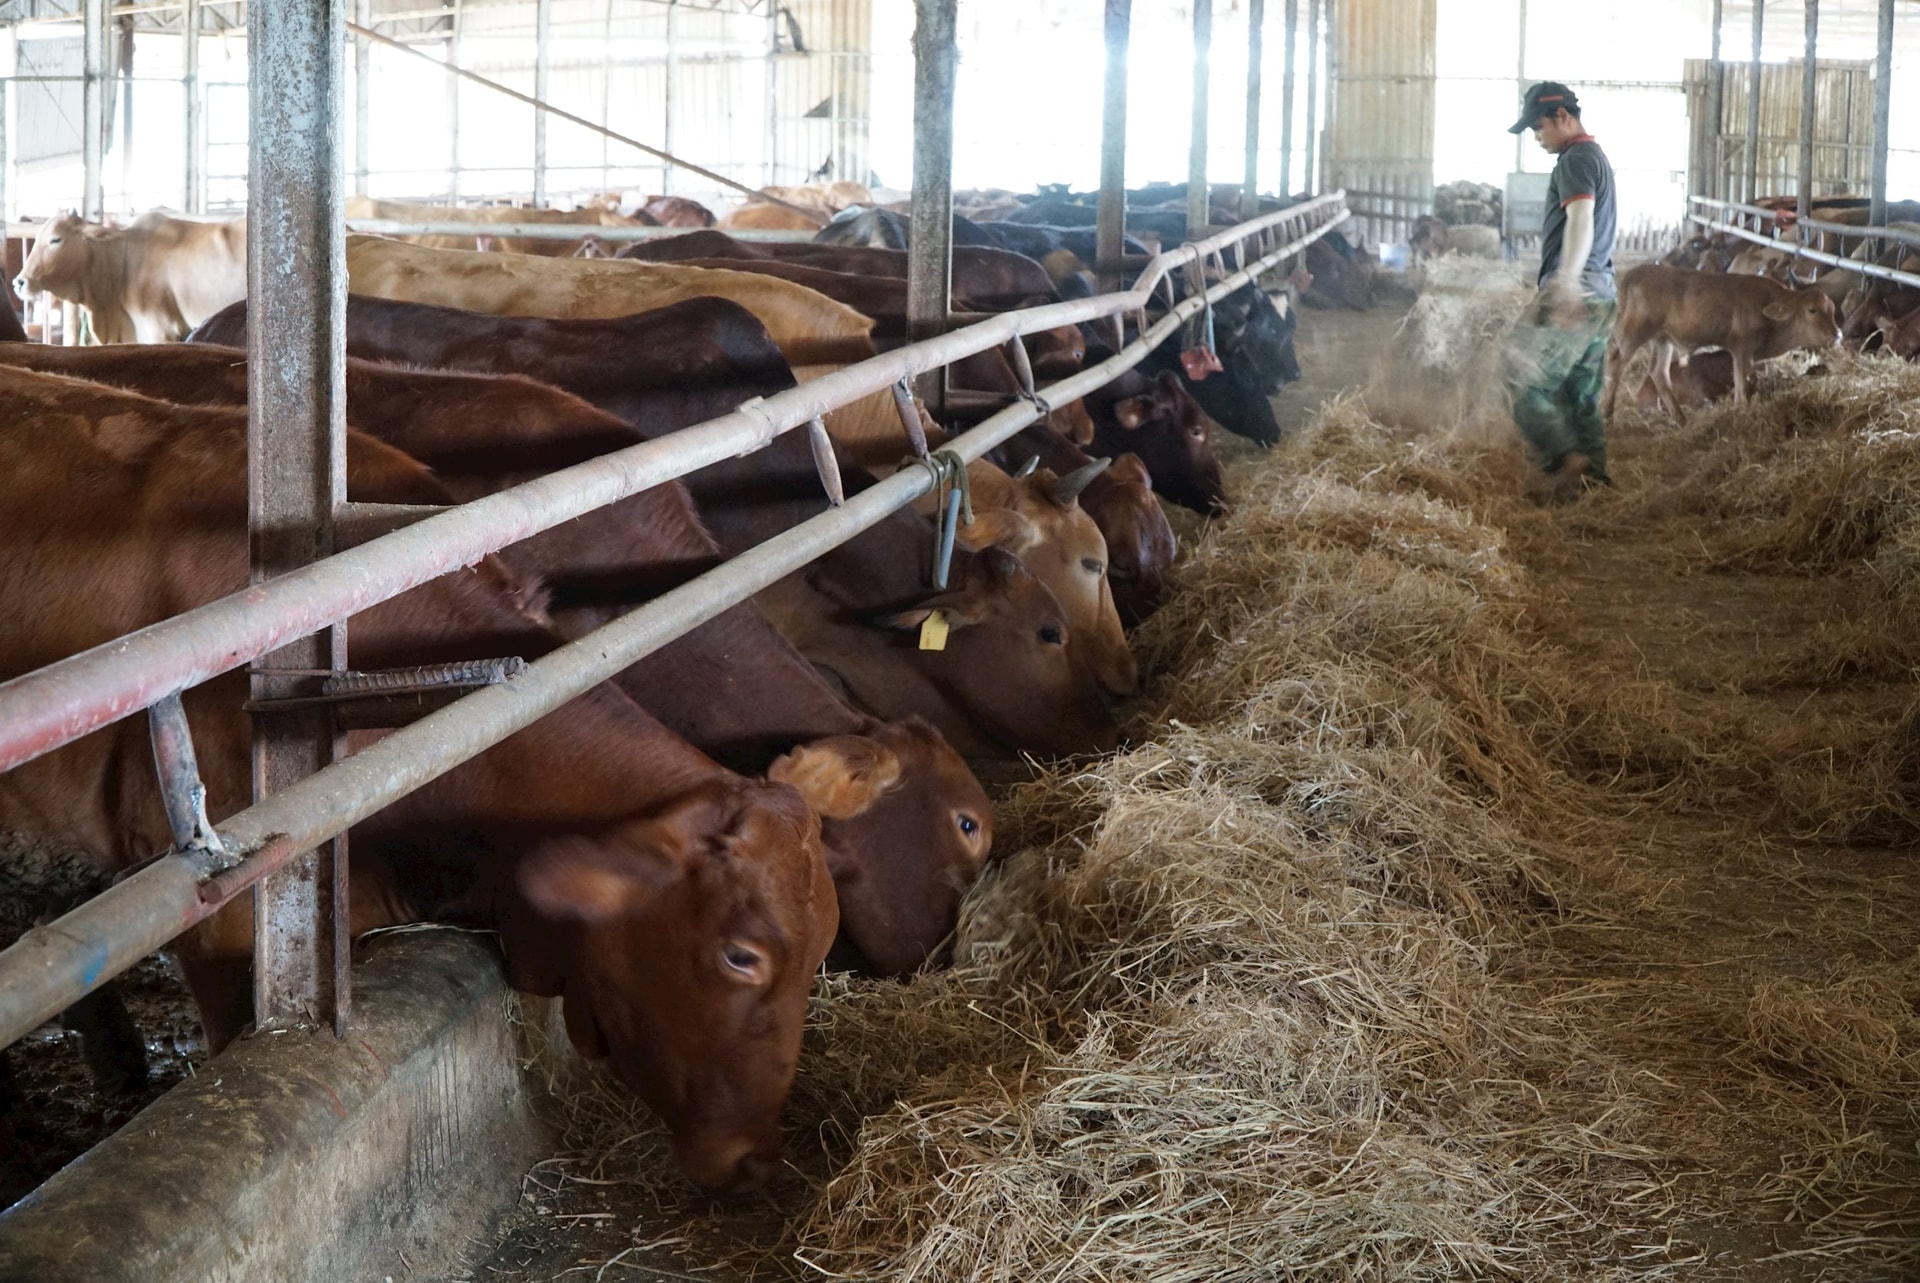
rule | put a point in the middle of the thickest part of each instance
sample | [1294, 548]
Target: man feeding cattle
[1556, 357]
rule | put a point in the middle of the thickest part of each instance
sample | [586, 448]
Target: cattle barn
[1167, 641]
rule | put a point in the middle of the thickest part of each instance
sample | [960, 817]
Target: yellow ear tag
[933, 631]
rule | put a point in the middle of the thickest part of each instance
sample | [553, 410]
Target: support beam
[669, 107]
[93, 96]
[1256, 50]
[1717, 185]
[930, 249]
[1110, 216]
[1882, 114]
[1520, 76]
[1286, 101]
[542, 76]
[363, 97]
[453, 106]
[1809, 105]
[1310, 178]
[1198, 192]
[296, 437]
[196, 181]
[1751, 189]
[5, 165]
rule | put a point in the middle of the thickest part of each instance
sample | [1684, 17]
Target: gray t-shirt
[1582, 171]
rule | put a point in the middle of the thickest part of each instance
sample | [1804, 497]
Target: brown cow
[677, 211]
[679, 909]
[1900, 335]
[1158, 420]
[1753, 318]
[148, 282]
[918, 837]
[1698, 380]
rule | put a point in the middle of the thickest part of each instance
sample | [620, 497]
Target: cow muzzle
[21, 288]
[728, 1165]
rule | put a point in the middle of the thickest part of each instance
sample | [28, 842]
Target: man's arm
[1575, 247]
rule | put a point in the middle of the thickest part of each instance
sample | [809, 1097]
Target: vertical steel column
[1331, 8]
[4, 166]
[1286, 102]
[1753, 106]
[1809, 104]
[1250, 189]
[296, 434]
[542, 76]
[196, 194]
[770, 165]
[672, 91]
[1110, 217]
[123, 72]
[453, 107]
[1310, 175]
[1882, 114]
[1717, 184]
[363, 96]
[1520, 75]
[1199, 204]
[930, 249]
[93, 121]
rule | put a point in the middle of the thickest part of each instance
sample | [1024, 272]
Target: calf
[1753, 318]
[1698, 380]
[679, 909]
[1157, 421]
[1900, 335]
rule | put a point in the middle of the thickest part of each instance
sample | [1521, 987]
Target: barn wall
[1842, 128]
[1380, 136]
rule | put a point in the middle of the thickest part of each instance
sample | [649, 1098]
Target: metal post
[363, 96]
[93, 54]
[1111, 216]
[296, 433]
[930, 249]
[769, 166]
[542, 73]
[1250, 189]
[1752, 190]
[124, 73]
[1717, 185]
[1286, 102]
[453, 106]
[1808, 106]
[1882, 114]
[3, 168]
[672, 90]
[1332, 116]
[1520, 75]
[1199, 206]
[196, 197]
[1310, 176]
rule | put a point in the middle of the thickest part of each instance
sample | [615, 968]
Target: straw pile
[1364, 962]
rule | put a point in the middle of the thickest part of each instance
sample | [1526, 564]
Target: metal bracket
[823, 461]
[910, 419]
[954, 507]
[178, 768]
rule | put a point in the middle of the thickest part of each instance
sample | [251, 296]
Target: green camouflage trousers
[1554, 378]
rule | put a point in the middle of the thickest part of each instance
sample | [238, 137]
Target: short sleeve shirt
[1582, 171]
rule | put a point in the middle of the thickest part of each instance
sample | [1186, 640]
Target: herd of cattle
[675, 853]
[1743, 302]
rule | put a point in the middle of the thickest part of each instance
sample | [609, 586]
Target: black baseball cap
[1544, 99]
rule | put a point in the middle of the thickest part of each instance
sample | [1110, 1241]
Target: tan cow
[814, 333]
[413, 212]
[148, 282]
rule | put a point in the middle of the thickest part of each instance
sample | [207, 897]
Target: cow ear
[1776, 311]
[960, 612]
[1167, 387]
[840, 776]
[1133, 412]
[1001, 528]
[580, 879]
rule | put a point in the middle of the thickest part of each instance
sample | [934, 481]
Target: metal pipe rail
[549, 231]
[1818, 256]
[54, 965]
[1858, 231]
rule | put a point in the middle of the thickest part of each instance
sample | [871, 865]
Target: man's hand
[1566, 303]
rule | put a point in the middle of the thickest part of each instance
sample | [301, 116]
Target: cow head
[684, 945]
[1140, 541]
[1799, 319]
[58, 261]
[1006, 665]
[1164, 425]
[908, 830]
[1056, 353]
[1044, 526]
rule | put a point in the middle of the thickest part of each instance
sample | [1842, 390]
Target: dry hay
[1323, 978]
[1445, 367]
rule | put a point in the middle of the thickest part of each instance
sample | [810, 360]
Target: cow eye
[968, 825]
[1092, 566]
[1122, 571]
[53, 240]
[1198, 434]
[1052, 636]
[744, 962]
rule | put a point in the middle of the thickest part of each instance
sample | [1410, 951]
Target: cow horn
[1026, 469]
[1065, 491]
